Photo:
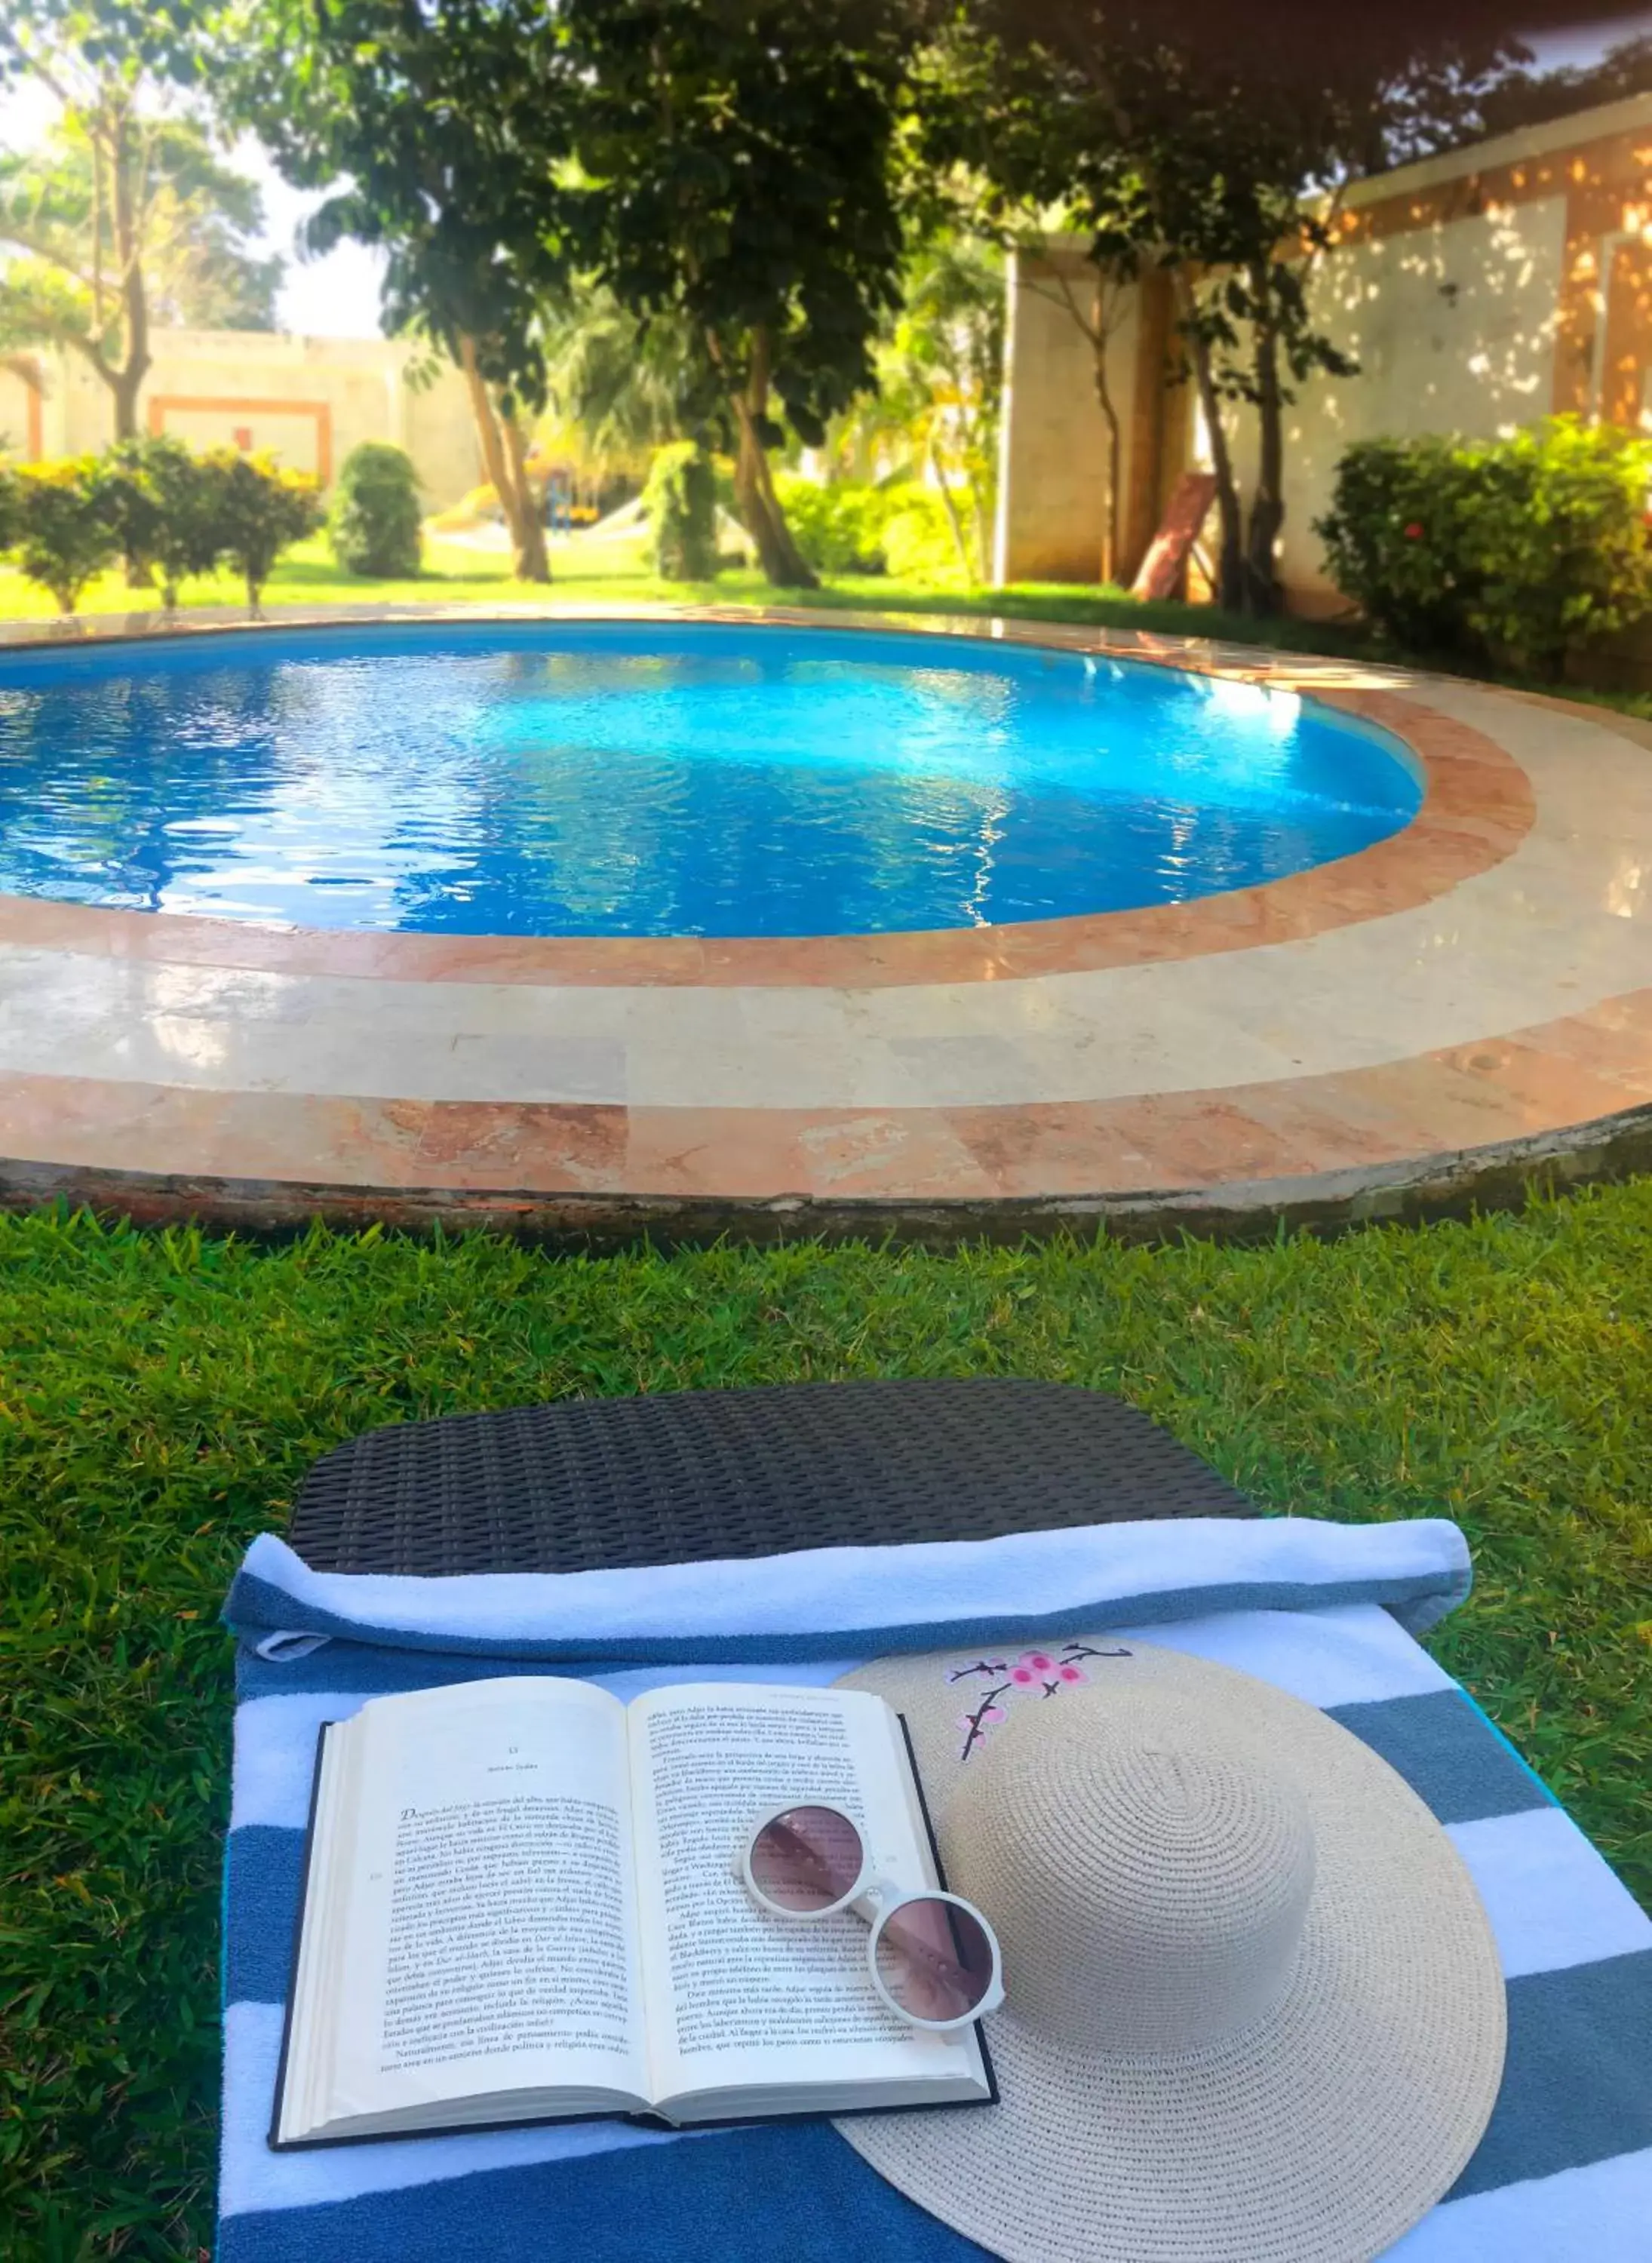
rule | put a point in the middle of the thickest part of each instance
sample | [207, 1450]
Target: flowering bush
[67, 525]
[258, 510]
[1516, 549]
[164, 504]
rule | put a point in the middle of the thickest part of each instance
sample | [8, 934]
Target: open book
[520, 1904]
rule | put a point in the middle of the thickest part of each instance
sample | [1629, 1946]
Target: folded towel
[1564, 2171]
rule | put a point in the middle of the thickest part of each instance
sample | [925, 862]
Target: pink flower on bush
[1414, 532]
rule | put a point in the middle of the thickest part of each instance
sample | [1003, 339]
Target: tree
[934, 410]
[1179, 141]
[440, 133]
[726, 162]
[1530, 98]
[628, 385]
[736, 172]
[946, 357]
[127, 216]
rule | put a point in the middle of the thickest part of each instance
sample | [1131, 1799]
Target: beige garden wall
[311, 400]
[1477, 292]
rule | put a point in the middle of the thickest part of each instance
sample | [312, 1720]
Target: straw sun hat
[1253, 2010]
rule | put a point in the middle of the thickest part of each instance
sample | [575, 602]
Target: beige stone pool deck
[1434, 1021]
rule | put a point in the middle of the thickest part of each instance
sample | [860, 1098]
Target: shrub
[1393, 540]
[257, 510]
[1555, 527]
[917, 539]
[681, 499]
[165, 502]
[1514, 549]
[67, 530]
[374, 525]
[11, 509]
[839, 529]
[900, 528]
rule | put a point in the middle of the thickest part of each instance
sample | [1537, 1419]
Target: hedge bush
[1515, 550]
[681, 501]
[165, 505]
[258, 509]
[850, 528]
[68, 528]
[374, 525]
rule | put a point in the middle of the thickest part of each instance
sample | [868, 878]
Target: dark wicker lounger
[698, 1474]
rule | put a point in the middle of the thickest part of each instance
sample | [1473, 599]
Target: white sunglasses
[932, 1957]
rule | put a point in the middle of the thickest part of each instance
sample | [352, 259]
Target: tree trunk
[783, 563]
[944, 487]
[516, 501]
[1230, 570]
[126, 381]
[533, 559]
[1263, 592]
[1115, 458]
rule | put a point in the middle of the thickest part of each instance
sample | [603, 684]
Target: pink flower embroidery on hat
[1036, 1673]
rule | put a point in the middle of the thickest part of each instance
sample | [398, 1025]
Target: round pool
[648, 778]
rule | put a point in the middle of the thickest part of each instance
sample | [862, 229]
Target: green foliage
[125, 216]
[898, 528]
[373, 522]
[840, 527]
[69, 528]
[1178, 139]
[258, 509]
[1392, 543]
[11, 507]
[681, 496]
[1518, 550]
[919, 540]
[164, 1393]
[165, 506]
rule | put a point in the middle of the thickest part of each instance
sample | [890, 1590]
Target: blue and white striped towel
[1564, 2171]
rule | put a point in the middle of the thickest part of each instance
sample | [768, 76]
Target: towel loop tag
[282, 1648]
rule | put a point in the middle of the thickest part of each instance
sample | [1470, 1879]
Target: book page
[490, 1943]
[739, 1998]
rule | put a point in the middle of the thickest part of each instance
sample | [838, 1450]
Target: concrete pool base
[1427, 1025]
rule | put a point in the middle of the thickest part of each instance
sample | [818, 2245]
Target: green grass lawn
[611, 572]
[588, 574]
[161, 1394]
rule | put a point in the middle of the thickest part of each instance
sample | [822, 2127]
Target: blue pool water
[623, 779]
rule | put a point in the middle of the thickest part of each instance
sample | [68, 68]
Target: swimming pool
[649, 778]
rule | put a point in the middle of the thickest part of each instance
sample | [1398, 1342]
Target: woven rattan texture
[713, 1473]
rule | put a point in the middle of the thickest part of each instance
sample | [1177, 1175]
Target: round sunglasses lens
[935, 1960]
[807, 1859]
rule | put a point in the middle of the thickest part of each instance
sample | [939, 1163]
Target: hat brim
[1319, 2135]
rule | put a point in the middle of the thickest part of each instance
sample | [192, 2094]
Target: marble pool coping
[1432, 1022]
